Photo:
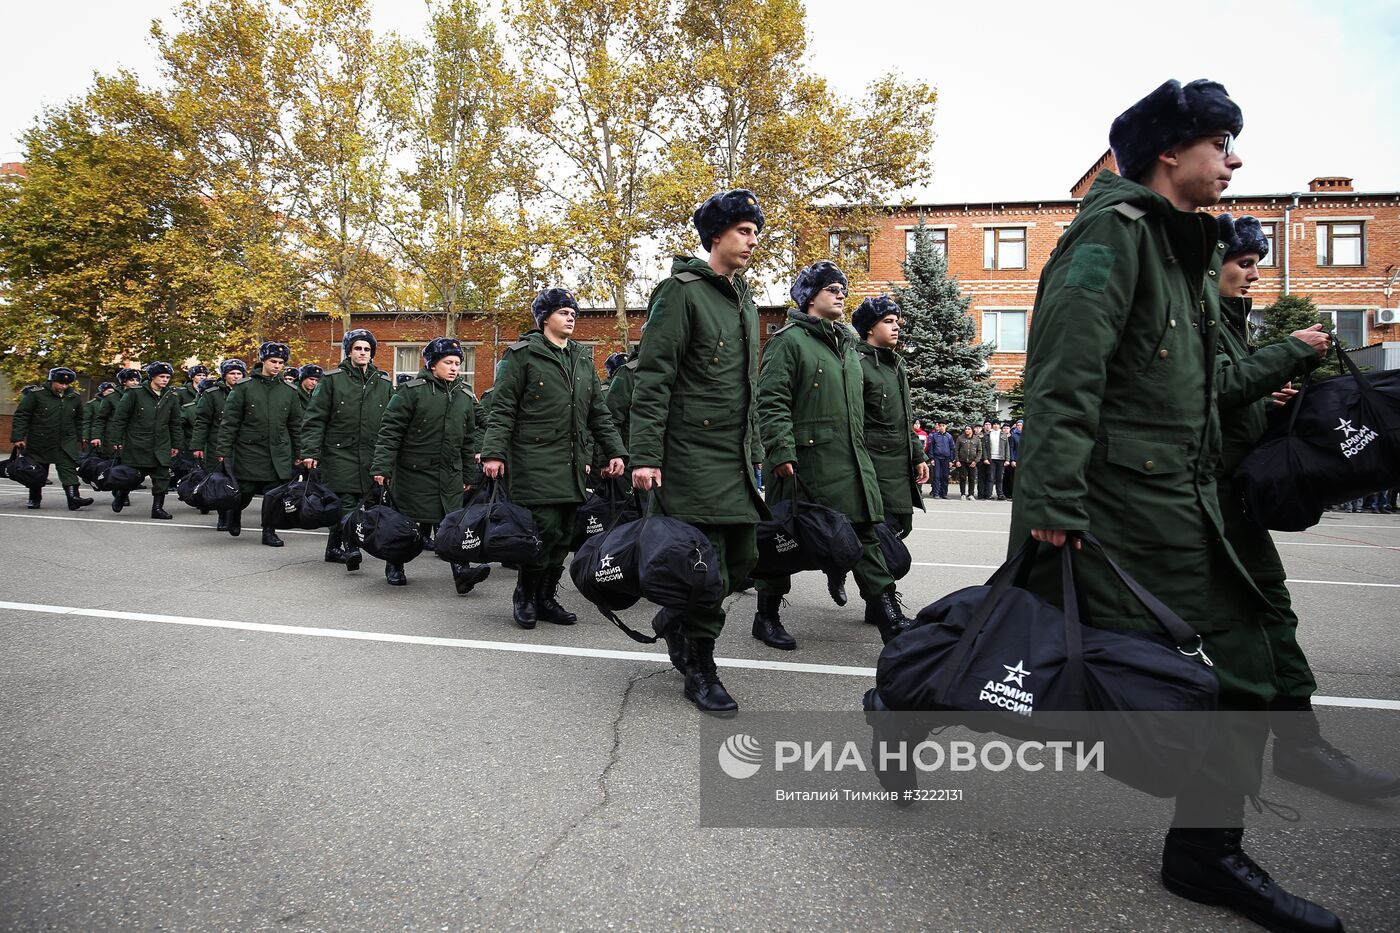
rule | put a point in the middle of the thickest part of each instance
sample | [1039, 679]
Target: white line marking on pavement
[1342, 583]
[1284, 542]
[966, 566]
[563, 650]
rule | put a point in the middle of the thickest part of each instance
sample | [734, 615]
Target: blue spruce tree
[947, 369]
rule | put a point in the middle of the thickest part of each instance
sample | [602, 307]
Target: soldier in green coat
[1249, 384]
[146, 431]
[811, 410]
[546, 405]
[104, 389]
[209, 415]
[308, 377]
[260, 432]
[46, 425]
[188, 396]
[1121, 386]
[695, 420]
[127, 379]
[426, 444]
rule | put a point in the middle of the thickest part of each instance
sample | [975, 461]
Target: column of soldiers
[1129, 303]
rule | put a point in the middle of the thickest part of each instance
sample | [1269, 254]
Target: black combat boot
[158, 507]
[547, 608]
[36, 495]
[222, 524]
[269, 537]
[465, 576]
[883, 612]
[523, 599]
[334, 553]
[1303, 756]
[665, 624]
[353, 557]
[886, 729]
[395, 575]
[75, 501]
[119, 501]
[768, 627]
[702, 686]
[836, 586]
[1209, 866]
[235, 522]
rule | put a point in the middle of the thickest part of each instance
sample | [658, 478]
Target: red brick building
[1338, 246]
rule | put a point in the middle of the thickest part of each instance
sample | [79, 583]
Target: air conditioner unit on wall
[1387, 316]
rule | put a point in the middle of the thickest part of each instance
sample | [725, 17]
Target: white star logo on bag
[606, 562]
[1017, 673]
[1345, 427]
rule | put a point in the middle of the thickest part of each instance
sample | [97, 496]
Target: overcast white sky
[1026, 89]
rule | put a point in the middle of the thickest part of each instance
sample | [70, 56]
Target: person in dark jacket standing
[127, 379]
[1128, 308]
[146, 431]
[967, 453]
[811, 411]
[546, 405]
[694, 420]
[209, 415]
[426, 445]
[261, 432]
[1012, 445]
[308, 377]
[46, 425]
[1249, 384]
[942, 450]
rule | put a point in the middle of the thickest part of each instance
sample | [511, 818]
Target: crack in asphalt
[258, 573]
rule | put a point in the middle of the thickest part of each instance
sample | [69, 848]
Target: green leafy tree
[947, 369]
[1296, 312]
[1015, 398]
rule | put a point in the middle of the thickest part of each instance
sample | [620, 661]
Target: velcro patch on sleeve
[1090, 266]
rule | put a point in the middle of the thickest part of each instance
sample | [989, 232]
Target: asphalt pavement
[201, 733]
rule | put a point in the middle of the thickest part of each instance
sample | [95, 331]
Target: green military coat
[1245, 383]
[188, 396]
[208, 416]
[811, 411]
[49, 425]
[1121, 388]
[261, 429]
[304, 396]
[545, 405]
[89, 418]
[146, 425]
[426, 443]
[694, 403]
[619, 397]
[894, 448]
[106, 408]
[341, 425]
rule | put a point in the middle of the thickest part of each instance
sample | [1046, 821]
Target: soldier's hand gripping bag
[805, 535]
[187, 488]
[181, 465]
[1338, 439]
[219, 490]
[1037, 672]
[897, 556]
[301, 503]
[607, 570]
[490, 529]
[118, 477]
[90, 467]
[25, 470]
[609, 498]
[386, 533]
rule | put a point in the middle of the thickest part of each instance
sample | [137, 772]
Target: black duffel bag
[187, 487]
[182, 464]
[24, 469]
[1008, 655]
[655, 557]
[805, 535]
[1338, 439]
[609, 498]
[118, 477]
[303, 502]
[377, 527]
[219, 489]
[897, 556]
[490, 529]
[90, 467]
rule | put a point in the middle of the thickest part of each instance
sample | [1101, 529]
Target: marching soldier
[694, 420]
[622, 378]
[1247, 378]
[261, 431]
[340, 429]
[209, 415]
[308, 377]
[291, 375]
[146, 431]
[127, 379]
[427, 440]
[90, 410]
[811, 410]
[46, 425]
[195, 377]
[546, 404]
[400, 379]
[1127, 308]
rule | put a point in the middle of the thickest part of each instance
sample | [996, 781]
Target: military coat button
[1162, 353]
[1147, 465]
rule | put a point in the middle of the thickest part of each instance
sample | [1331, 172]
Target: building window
[1004, 248]
[1005, 330]
[937, 235]
[850, 250]
[1349, 323]
[1341, 244]
[1270, 237]
[409, 359]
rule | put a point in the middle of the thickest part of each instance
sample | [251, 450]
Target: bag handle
[1176, 628]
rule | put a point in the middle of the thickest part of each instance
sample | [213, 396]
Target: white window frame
[911, 232]
[836, 243]
[1330, 313]
[992, 243]
[991, 325]
[1325, 256]
[468, 348]
[1271, 260]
